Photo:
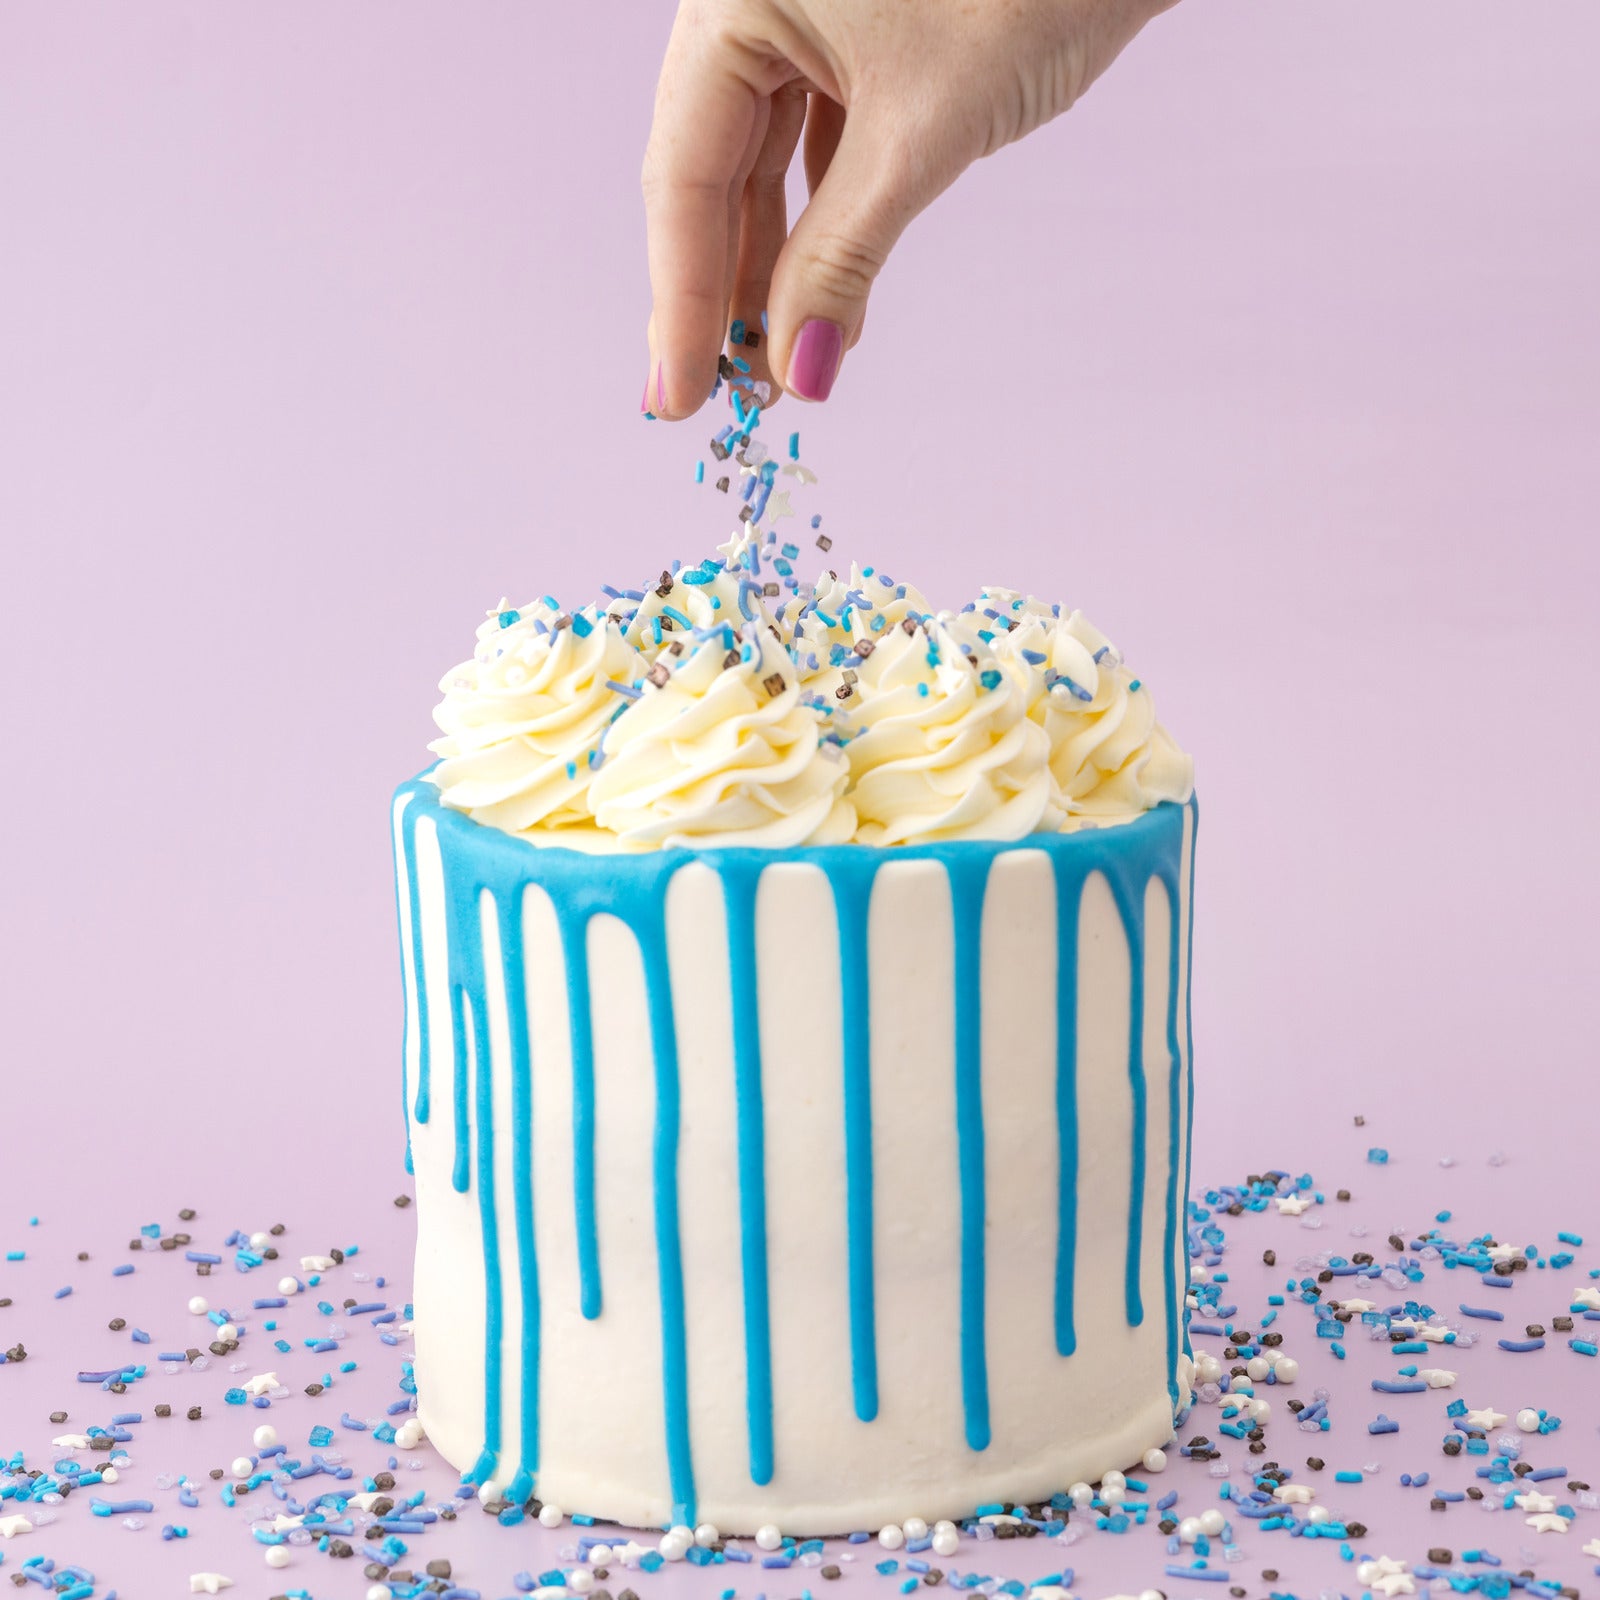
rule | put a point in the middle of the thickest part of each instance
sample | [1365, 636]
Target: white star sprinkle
[1381, 1567]
[803, 474]
[1357, 1307]
[1534, 1501]
[1592, 1549]
[1588, 1296]
[10, 1527]
[1294, 1494]
[1548, 1522]
[778, 506]
[1437, 1377]
[1393, 1583]
[261, 1383]
[1291, 1205]
[208, 1583]
[1487, 1419]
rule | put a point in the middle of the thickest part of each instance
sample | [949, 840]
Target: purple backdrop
[321, 329]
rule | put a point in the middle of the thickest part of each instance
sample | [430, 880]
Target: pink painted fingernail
[644, 399]
[661, 394]
[814, 361]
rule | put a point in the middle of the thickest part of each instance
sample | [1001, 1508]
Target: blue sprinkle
[1378, 1156]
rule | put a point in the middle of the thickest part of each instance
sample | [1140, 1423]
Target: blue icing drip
[1169, 1269]
[648, 923]
[1069, 906]
[408, 836]
[850, 877]
[968, 881]
[1188, 1057]
[741, 872]
[575, 952]
[514, 965]
[1132, 914]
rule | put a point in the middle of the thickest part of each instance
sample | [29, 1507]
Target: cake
[796, 1063]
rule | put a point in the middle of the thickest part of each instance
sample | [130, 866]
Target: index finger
[705, 118]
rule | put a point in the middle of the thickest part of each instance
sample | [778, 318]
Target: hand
[895, 97]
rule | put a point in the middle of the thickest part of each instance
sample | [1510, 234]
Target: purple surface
[316, 335]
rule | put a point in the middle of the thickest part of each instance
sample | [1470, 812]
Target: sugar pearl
[199, 1305]
[1212, 1522]
[1286, 1369]
[1113, 1480]
[1258, 1367]
[278, 1556]
[768, 1537]
[409, 1434]
[1081, 1495]
[1189, 1529]
[1113, 1494]
[1155, 1460]
[706, 1535]
[675, 1543]
[1318, 1514]
[288, 1286]
[945, 1541]
[890, 1536]
[579, 1581]
[243, 1466]
[260, 1241]
[265, 1436]
[600, 1554]
[1528, 1420]
[914, 1528]
[380, 1591]
[551, 1516]
[109, 1475]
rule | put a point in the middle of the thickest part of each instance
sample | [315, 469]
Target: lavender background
[320, 329]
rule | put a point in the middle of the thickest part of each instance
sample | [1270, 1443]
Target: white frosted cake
[797, 1054]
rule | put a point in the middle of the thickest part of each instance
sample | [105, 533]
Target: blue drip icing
[574, 924]
[649, 926]
[968, 883]
[1128, 856]
[509, 907]
[408, 844]
[851, 880]
[1169, 1269]
[740, 876]
[1188, 1058]
[1069, 901]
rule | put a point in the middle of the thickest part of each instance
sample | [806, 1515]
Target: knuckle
[843, 266]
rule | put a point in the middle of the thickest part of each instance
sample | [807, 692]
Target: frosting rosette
[524, 718]
[1109, 757]
[719, 749]
[841, 610]
[943, 746]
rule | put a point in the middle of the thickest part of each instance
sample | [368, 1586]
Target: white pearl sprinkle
[1155, 1460]
[243, 1466]
[1286, 1369]
[551, 1516]
[579, 1581]
[1212, 1522]
[1081, 1495]
[109, 1475]
[599, 1554]
[1528, 1420]
[706, 1535]
[891, 1536]
[288, 1286]
[227, 1331]
[1113, 1480]
[277, 1555]
[1189, 1530]
[914, 1528]
[265, 1436]
[768, 1537]
[946, 1541]
[380, 1591]
[199, 1305]
[1113, 1494]
[675, 1543]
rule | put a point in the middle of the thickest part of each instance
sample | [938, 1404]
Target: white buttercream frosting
[524, 718]
[703, 710]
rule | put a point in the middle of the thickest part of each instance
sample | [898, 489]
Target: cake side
[778, 1201]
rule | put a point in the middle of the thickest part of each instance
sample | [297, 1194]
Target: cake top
[712, 708]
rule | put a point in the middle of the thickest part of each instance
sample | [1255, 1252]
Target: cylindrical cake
[818, 1187]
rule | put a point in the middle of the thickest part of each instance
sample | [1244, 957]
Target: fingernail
[644, 399]
[814, 361]
[661, 395]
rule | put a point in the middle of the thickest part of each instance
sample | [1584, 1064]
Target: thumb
[875, 184]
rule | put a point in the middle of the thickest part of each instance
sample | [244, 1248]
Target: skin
[892, 101]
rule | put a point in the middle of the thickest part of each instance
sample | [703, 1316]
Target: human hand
[895, 97]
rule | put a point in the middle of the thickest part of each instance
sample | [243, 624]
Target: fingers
[824, 124]
[876, 180]
[706, 122]
[764, 226]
